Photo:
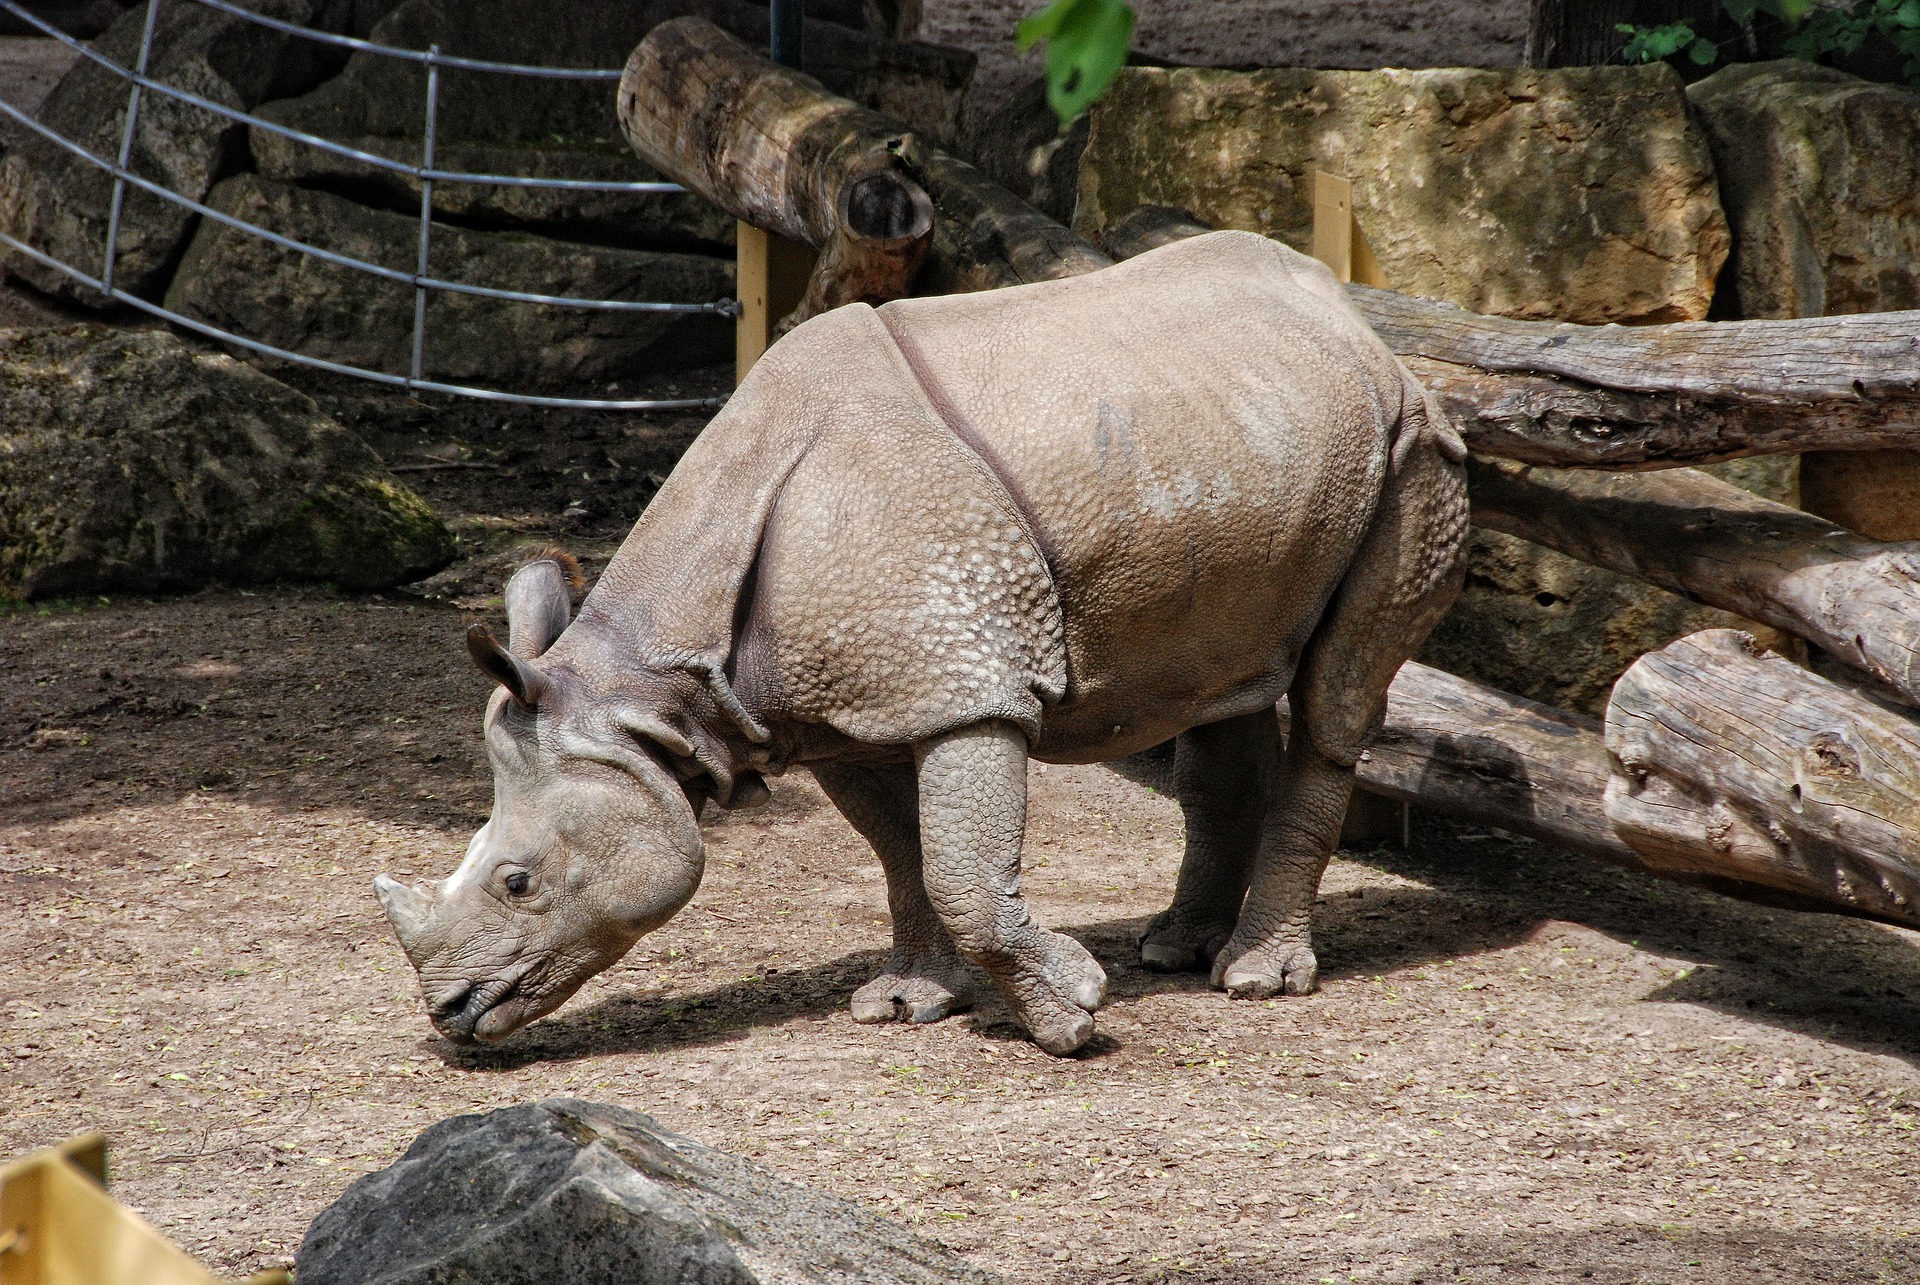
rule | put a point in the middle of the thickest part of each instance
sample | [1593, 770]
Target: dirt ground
[1521, 1066]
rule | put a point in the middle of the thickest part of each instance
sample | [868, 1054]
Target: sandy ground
[1521, 1066]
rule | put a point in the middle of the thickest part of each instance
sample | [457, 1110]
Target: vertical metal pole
[126, 146]
[426, 213]
[787, 43]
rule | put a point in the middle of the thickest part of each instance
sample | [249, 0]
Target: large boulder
[59, 203]
[564, 1192]
[644, 220]
[1820, 176]
[1583, 194]
[253, 287]
[130, 462]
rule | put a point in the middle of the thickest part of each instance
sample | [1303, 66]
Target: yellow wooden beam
[58, 1226]
[771, 275]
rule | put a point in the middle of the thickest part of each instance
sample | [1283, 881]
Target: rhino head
[594, 840]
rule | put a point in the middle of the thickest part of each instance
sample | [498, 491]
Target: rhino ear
[540, 603]
[520, 679]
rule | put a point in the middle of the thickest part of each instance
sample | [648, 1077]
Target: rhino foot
[1286, 967]
[915, 990]
[1055, 996]
[1174, 944]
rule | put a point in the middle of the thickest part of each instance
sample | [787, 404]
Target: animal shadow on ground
[1362, 933]
[1830, 977]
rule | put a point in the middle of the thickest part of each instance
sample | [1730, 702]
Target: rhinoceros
[927, 542]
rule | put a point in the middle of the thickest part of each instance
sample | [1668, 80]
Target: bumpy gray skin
[927, 542]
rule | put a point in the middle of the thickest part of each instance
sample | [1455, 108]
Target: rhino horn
[407, 907]
[522, 680]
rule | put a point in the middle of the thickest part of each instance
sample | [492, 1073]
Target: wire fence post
[426, 215]
[126, 147]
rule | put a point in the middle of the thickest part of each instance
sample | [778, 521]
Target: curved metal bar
[359, 372]
[314, 140]
[719, 307]
[414, 55]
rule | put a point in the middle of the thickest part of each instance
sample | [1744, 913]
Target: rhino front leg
[1223, 777]
[973, 819]
[925, 979]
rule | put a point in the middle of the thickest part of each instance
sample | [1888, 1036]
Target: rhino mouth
[459, 1014]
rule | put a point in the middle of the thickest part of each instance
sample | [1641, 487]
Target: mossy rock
[129, 462]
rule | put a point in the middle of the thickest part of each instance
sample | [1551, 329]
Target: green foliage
[1845, 30]
[1086, 43]
[1797, 28]
[1653, 44]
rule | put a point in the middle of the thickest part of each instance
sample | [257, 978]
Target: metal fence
[140, 83]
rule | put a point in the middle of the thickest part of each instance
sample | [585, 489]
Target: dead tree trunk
[1584, 33]
[1486, 756]
[1695, 535]
[1731, 764]
[1637, 397]
[770, 146]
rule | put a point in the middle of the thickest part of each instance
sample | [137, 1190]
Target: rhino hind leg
[1271, 949]
[973, 817]
[1223, 777]
[1406, 574]
[925, 978]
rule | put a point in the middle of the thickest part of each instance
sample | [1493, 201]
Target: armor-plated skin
[926, 542]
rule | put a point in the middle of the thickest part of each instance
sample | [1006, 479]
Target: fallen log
[1694, 535]
[1732, 764]
[1636, 397]
[1466, 750]
[773, 148]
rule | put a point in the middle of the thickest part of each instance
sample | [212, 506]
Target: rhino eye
[517, 884]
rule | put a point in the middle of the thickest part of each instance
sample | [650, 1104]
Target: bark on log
[1637, 397]
[772, 147]
[1695, 535]
[1640, 397]
[1734, 764]
[1465, 750]
[1470, 751]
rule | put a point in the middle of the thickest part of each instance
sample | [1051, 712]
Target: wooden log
[772, 147]
[1636, 397]
[1640, 397]
[1467, 750]
[1694, 535]
[1733, 764]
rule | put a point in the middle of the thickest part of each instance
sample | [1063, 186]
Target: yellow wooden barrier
[58, 1226]
[770, 277]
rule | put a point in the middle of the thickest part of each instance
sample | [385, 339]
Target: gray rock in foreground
[565, 1192]
[130, 462]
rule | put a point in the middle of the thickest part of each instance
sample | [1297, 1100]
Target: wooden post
[771, 276]
[1338, 241]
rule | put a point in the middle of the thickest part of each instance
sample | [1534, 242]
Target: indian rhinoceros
[929, 541]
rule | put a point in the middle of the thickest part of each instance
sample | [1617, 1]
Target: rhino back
[1197, 438]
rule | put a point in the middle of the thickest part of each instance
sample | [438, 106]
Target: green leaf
[1651, 44]
[1087, 42]
[1702, 52]
[1907, 15]
[1741, 11]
